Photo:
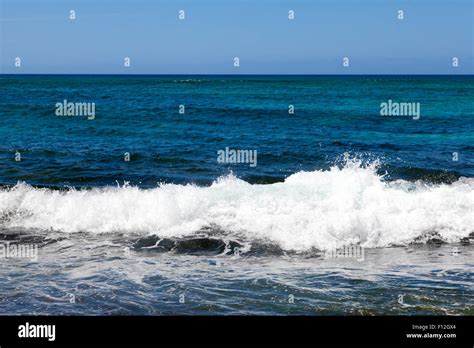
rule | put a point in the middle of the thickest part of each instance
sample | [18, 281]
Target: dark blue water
[140, 115]
[131, 212]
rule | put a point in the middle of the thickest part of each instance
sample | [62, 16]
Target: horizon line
[212, 74]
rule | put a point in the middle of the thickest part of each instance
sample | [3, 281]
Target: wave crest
[319, 209]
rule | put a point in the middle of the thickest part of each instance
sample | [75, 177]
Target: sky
[258, 32]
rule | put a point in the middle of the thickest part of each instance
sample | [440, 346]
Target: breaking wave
[309, 210]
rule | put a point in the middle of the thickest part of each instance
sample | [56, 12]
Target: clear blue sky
[256, 31]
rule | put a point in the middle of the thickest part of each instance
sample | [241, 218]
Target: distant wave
[309, 210]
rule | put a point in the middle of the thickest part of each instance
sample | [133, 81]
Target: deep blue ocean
[140, 115]
[132, 212]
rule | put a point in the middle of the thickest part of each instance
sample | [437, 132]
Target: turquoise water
[132, 212]
[140, 115]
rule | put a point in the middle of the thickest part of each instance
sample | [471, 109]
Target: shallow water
[84, 274]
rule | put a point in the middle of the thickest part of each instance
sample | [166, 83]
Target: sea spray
[345, 205]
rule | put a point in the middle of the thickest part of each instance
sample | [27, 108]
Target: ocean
[236, 195]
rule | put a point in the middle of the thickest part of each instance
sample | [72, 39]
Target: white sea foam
[320, 209]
